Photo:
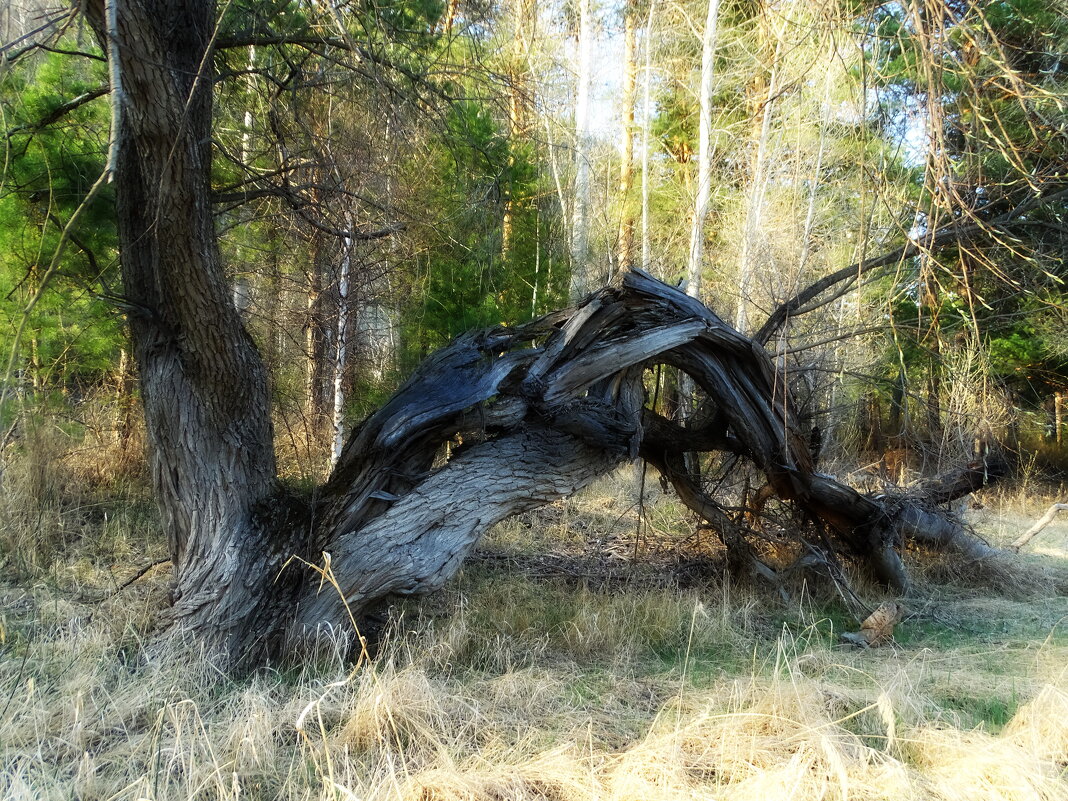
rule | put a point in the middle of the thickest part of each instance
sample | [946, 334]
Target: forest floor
[563, 663]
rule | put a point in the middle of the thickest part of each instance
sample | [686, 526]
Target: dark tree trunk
[203, 384]
[543, 408]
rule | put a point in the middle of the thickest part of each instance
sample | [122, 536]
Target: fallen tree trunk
[540, 410]
[543, 409]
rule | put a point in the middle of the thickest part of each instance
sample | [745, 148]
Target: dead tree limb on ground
[542, 408]
[1043, 521]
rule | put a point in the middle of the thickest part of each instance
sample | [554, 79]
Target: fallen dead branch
[1043, 521]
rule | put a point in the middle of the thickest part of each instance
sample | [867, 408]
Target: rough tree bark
[543, 408]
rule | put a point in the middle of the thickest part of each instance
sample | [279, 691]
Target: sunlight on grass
[531, 680]
[605, 696]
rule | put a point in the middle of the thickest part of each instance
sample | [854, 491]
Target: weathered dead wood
[546, 407]
[1042, 522]
[541, 408]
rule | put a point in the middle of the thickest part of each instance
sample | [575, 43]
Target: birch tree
[581, 272]
[647, 143]
[625, 235]
[695, 263]
[763, 92]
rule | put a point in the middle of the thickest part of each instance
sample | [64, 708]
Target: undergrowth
[556, 693]
[540, 673]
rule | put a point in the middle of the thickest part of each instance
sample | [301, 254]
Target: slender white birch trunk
[814, 185]
[625, 236]
[580, 268]
[341, 356]
[246, 133]
[647, 116]
[704, 155]
[701, 202]
[755, 202]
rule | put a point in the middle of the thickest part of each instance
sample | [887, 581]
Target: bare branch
[314, 43]
[1043, 521]
[363, 236]
[59, 112]
[53, 24]
[949, 234]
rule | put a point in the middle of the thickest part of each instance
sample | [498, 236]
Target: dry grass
[523, 686]
[77, 505]
[553, 693]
